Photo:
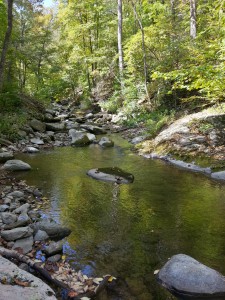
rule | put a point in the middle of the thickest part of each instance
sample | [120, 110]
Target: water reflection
[131, 230]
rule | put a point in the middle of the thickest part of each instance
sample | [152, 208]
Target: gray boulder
[54, 230]
[16, 194]
[56, 126]
[93, 129]
[41, 236]
[218, 175]
[31, 150]
[54, 248]
[16, 165]
[111, 175]
[16, 233]
[37, 289]
[23, 209]
[37, 141]
[106, 142]
[54, 258]
[4, 207]
[25, 244]
[37, 125]
[186, 278]
[8, 218]
[79, 138]
[4, 156]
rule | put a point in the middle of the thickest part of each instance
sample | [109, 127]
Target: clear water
[131, 230]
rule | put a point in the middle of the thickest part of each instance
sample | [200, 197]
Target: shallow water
[131, 230]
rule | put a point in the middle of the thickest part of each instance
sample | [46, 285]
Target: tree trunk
[6, 42]
[193, 23]
[120, 31]
[143, 48]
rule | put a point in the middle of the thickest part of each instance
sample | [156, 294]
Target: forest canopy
[129, 55]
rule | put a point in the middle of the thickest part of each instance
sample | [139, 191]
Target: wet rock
[54, 258]
[4, 207]
[188, 166]
[91, 137]
[111, 174]
[31, 150]
[16, 233]
[56, 126]
[79, 138]
[218, 175]
[8, 218]
[37, 141]
[54, 248]
[187, 278]
[54, 230]
[41, 236]
[25, 244]
[16, 165]
[106, 142]
[37, 125]
[4, 156]
[37, 290]
[23, 209]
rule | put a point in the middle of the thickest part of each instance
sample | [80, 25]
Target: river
[130, 230]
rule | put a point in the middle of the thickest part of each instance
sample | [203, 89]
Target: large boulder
[93, 129]
[4, 156]
[79, 138]
[37, 125]
[36, 288]
[16, 233]
[16, 165]
[54, 230]
[186, 278]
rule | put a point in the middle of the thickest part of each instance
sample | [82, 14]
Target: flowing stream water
[132, 229]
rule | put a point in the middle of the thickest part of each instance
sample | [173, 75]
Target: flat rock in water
[111, 175]
[36, 289]
[188, 166]
[16, 165]
[4, 156]
[186, 278]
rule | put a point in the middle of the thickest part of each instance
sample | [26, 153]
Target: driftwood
[12, 254]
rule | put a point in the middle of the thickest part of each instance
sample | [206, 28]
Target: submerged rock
[186, 278]
[111, 174]
[106, 142]
[16, 165]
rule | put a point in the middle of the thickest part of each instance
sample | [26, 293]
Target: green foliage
[158, 120]
[9, 102]
[9, 124]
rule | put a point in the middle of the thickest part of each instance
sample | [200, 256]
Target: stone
[16, 165]
[54, 248]
[54, 258]
[16, 233]
[8, 218]
[37, 193]
[54, 230]
[37, 289]
[91, 136]
[93, 129]
[31, 150]
[79, 138]
[106, 142]
[111, 175]
[25, 244]
[4, 207]
[218, 175]
[41, 236]
[16, 194]
[55, 126]
[37, 141]
[37, 125]
[138, 139]
[187, 278]
[23, 217]
[4, 156]
[188, 166]
[23, 209]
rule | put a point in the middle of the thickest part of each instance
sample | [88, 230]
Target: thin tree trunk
[120, 38]
[143, 48]
[6, 42]
[193, 22]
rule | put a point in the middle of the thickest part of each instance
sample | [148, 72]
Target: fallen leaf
[72, 294]
[21, 283]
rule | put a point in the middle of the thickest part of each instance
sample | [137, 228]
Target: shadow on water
[130, 230]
